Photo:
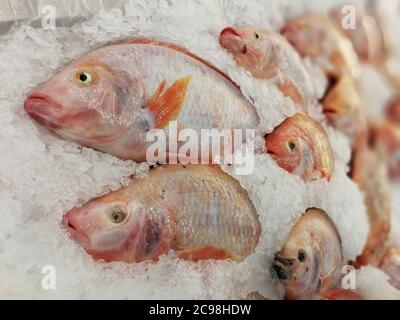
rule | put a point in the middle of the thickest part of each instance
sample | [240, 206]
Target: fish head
[342, 107]
[297, 266]
[300, 145]
[309, 262]
[85, 103]
[108, 228]
[252, 49]
[306, 35]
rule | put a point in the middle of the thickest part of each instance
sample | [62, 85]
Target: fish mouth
[231, 40]
[74, 232]
[330, 114]
[281, 266]
[41, 109]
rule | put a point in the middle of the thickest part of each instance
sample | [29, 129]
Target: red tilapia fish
[198, 211]
[112, 97]
[310, 262]
[267, 55]
[318, 38]
[301, 146]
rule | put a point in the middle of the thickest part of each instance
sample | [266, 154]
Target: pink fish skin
[198, 211]
[109, 99]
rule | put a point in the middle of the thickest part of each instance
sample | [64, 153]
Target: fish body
[268, 55]
[371, 176]
[111, 98]
[391, 265]
[318, 38]
[198, 211]
[301, 146]
[309, 264]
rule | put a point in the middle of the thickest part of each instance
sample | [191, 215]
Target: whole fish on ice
[267, 55]
[112, 97]
[301, 146]
[198, 211]
[310, 262]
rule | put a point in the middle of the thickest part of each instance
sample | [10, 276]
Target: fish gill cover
[42, 176]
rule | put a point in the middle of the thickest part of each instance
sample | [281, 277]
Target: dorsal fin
[181, 50]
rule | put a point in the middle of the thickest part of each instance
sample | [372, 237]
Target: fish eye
[84, 78]
[257, 35]
[291, 145]
[301, 256]
[117, 215]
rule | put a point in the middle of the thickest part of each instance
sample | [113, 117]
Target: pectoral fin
[166, 104]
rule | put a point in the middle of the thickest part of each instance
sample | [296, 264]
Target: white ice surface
[373, 284]
[42, 176]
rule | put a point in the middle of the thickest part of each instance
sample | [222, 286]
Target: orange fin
[166, 104]
[288, 89]
[204, 253]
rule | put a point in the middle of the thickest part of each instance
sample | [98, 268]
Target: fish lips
[41, 109]
[75, 233]
[231, 40]
[282, 267]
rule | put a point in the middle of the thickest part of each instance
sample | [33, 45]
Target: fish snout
[231, 40]
[229, 30]
[72, 225]
[69, 223]
[42, 109]
[282, 267]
